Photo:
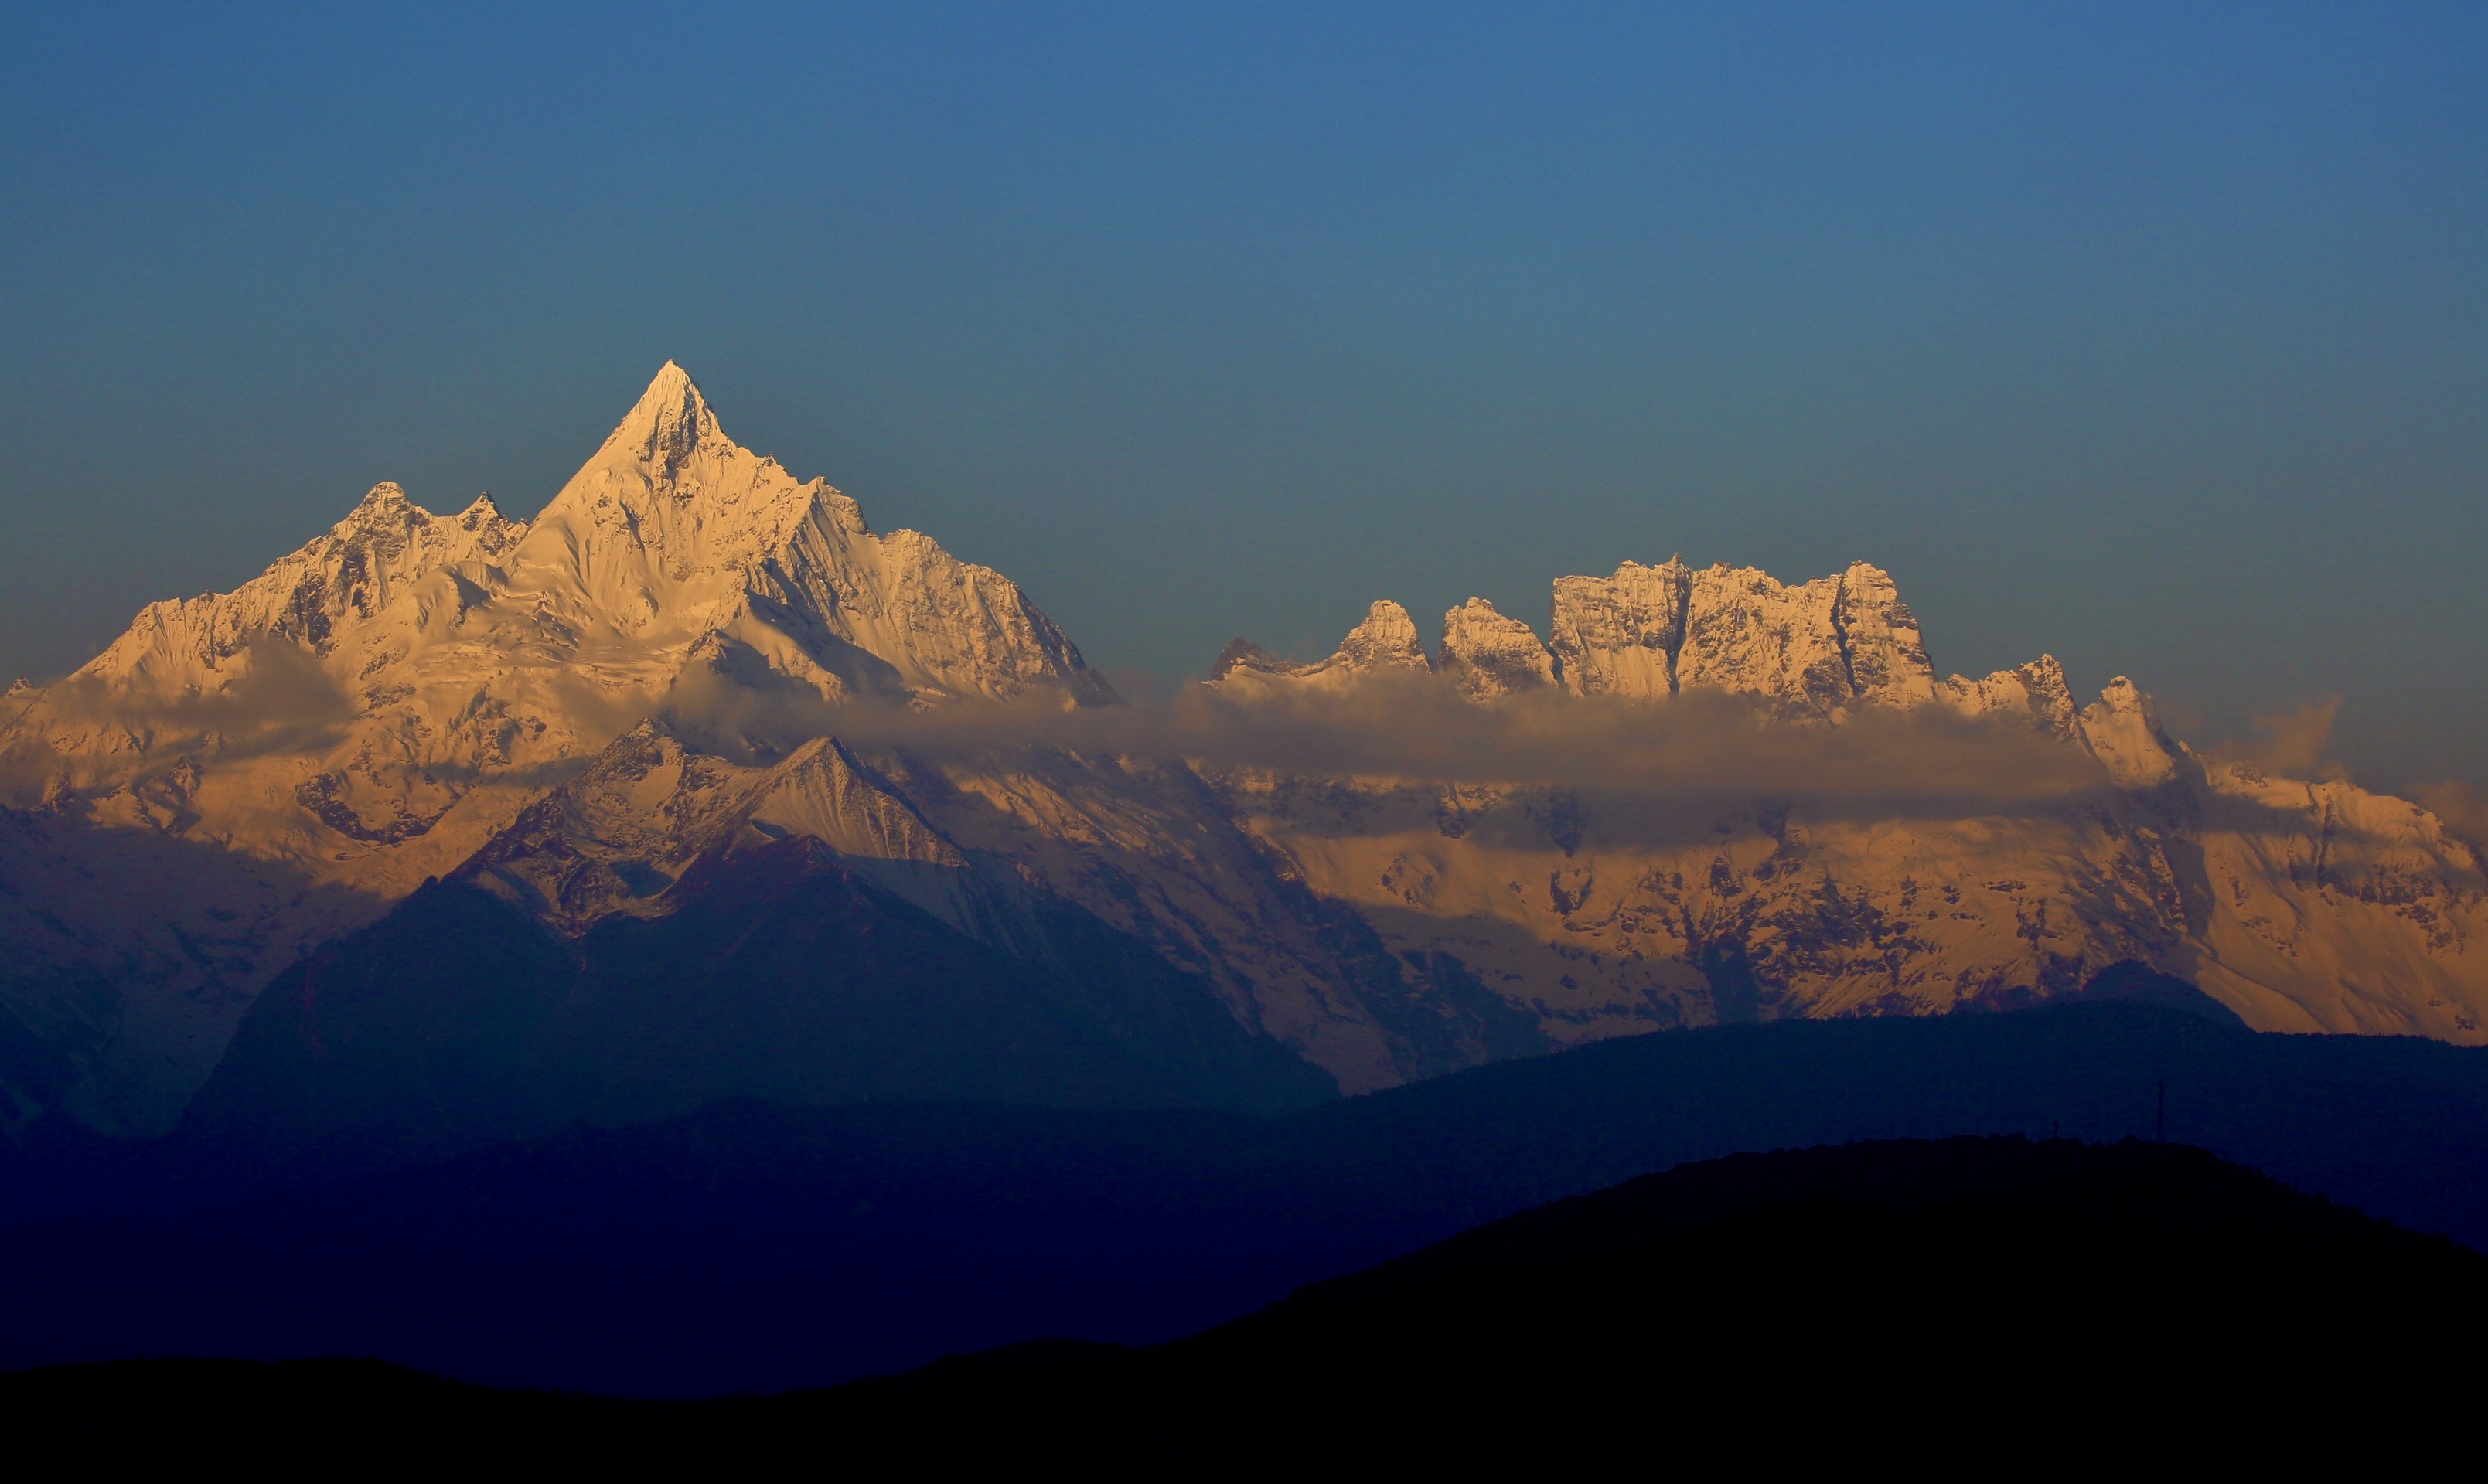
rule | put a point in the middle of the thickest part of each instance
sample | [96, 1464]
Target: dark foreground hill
[753, 1248]
[1923, 1293]
[1895, 1298]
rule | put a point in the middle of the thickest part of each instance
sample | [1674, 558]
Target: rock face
[1814, 650]
[2035, 692]
[381, 547]
[611, 841]
[2122, 730]
[1620, 635]
[1486, 655]
[667, 684]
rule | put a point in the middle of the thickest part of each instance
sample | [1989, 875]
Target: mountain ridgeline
[694, 785]
[2007, 1274]
[751, 1247]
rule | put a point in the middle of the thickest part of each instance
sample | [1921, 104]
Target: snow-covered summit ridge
[1384, 643]
[671, 533]
[675, 533]
[2304, 906]
[1815, 652]
[672, 541]
[1486, 655]
[339, 579]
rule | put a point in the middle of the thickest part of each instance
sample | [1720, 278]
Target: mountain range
[696, 786]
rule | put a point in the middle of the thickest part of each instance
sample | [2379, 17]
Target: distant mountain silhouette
[1922, 1298]
[755, 1247]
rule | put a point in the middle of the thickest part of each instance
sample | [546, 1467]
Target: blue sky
[2156, 337]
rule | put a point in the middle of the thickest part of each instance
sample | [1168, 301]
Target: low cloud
[1696, 752]
[1697, 747]
[2464, 808]
[278, 700]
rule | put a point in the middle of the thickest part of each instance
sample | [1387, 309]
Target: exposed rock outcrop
[1486, 655]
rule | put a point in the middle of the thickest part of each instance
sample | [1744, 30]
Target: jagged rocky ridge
[553, 713]
[2302, 906]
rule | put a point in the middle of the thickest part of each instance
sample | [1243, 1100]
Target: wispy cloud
[279, 700]
[2464, 808]
[2293, 742]
[1699, 747]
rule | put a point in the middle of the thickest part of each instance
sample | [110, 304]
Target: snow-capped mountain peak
[675, 536]
[338, 580]
[466, 644]
[2036, 691]
[2122, 730]
[669, 422]
[1486, 655]
[1384, 643]
[1813, 650]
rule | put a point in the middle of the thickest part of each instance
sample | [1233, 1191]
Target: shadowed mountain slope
[456, 1022]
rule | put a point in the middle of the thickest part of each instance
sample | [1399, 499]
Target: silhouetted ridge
[1794, 1291]
[755, 1247]
[1938, 1294]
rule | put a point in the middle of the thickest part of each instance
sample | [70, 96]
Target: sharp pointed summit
[669, 421]
[688, 545]
[384, 495]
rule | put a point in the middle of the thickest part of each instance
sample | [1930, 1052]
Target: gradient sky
[2154, 337]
